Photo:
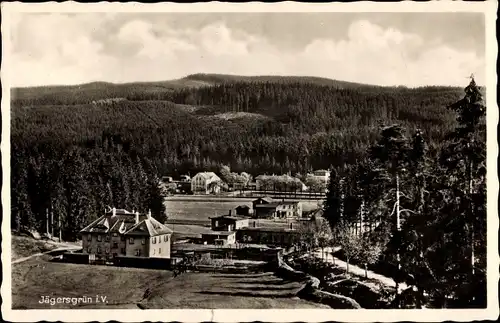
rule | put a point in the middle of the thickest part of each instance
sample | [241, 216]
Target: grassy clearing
[200, 209]
[152, 289]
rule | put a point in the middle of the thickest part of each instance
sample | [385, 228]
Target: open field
[129, 288]
[196, 208]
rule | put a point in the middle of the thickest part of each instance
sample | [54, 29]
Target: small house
[278, 210]
[262, 200]
[206, 183]
[219, 238]
[228, 223]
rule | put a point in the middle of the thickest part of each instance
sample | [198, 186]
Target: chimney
[136, 217]
[149, 214]
[114, 211]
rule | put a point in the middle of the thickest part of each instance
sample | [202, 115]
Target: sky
[411, 49]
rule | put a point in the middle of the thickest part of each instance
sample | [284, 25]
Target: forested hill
[103, 139]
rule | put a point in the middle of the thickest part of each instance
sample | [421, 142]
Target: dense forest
[409, 162]
[77, 149]
[428, 209]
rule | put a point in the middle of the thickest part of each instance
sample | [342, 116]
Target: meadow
[199, 209]
[132, 288]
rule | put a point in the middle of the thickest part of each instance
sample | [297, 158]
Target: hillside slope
[85, 154]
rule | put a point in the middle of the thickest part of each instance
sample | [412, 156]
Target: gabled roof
[265, 199]
[229, 217]
[148, 227]
[121, 221]
[275, 204]
[208, 176]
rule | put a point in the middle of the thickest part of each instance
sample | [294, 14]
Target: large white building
[206, 183]
[122, 233]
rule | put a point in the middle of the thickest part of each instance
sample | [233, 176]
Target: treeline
[307, 126]
[426, 212]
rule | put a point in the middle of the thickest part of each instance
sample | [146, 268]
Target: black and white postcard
[249, 162]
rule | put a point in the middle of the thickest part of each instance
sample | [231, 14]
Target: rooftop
[229, 217]
[275, 204]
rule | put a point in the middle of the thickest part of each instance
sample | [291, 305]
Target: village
[250, 232]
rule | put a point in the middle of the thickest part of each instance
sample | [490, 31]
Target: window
[131, 241]
[107, 238]
[165, 238]
[99, 238]
[123, 251]
[143, 241]
[115, 244]
[107, 250]
[138, 252]
[98, 249]
[154, 239]
[159, 251]
[89, 238]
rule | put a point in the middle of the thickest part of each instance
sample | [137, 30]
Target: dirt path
[355, 270]
[62, 248]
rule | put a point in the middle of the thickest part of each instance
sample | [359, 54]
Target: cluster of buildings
[120, 234]
[211, 183]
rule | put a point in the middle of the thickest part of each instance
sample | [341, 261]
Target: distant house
[243, 210]
[262, 200]
[219, 237]
[228, 223]
[206, 183]
[123, 233]
[278, 210]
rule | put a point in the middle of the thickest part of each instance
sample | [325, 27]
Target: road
[355, 270]
[63, 248]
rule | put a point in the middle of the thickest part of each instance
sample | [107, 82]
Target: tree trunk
[366, 270]
[60, 228]
[471, 219]
[398, 228]
[47, 220]
[361, 217]
[52, 221]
